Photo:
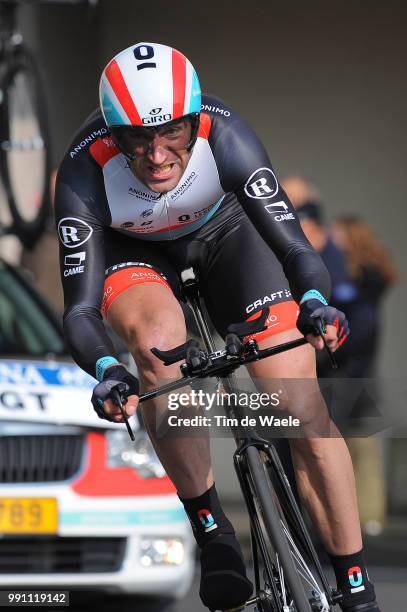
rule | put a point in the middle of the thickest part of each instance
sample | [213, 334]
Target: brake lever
[320, 326]
[172, 356]
[191, 351]
[120, 400]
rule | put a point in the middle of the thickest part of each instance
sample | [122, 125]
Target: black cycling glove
[116, 377]
[314, 316]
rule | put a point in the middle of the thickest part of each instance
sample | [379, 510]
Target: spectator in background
[373, 273]
[306, 199]
[361, 272]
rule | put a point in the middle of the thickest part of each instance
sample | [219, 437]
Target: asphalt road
[391, 589]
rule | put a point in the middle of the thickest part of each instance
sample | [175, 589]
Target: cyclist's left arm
[247, 171]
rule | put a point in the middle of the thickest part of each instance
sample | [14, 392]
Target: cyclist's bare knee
[148, 316]
[163, 336]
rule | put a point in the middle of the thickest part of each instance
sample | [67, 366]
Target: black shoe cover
[224, 584]
[371, 606]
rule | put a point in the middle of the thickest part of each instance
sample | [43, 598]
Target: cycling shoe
[224, 584]
[371, 606]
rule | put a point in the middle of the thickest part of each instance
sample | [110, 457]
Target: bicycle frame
[247, 440]
[245, 437]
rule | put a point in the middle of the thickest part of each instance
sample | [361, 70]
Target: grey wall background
[323, 84]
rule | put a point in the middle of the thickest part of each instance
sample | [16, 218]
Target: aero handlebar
[218, 364]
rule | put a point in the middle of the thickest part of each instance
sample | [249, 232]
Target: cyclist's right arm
[81, 212]
[81, 216]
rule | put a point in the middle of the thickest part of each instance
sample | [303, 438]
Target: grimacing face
[161, 162]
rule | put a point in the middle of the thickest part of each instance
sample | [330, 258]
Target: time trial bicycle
[288, 574]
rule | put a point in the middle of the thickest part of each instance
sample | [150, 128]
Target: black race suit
[228, 217]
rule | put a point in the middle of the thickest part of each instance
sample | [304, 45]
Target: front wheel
[24, 148]
[285, 578]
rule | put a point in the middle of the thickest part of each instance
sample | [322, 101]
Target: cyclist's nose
[156, 152]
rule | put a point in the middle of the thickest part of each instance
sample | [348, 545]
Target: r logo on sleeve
[73, 232]
[261, 184]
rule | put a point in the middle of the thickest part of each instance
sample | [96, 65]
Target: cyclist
[161, 179]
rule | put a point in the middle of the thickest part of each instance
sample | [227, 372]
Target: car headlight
[139, 455]
[160, 551]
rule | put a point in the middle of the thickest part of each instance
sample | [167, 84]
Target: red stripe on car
[100, 480]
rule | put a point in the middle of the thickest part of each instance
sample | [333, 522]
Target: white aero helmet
[148, 85]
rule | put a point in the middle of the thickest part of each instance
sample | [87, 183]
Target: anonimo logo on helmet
[155, 117]
[261, 184]
[73, 232]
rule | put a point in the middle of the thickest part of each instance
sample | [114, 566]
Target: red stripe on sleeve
[102, 150]
[179, 80]
[116, 80]
[205, 124]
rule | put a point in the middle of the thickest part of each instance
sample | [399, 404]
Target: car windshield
[26, 329]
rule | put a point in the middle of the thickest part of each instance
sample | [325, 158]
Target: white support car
[80, 504]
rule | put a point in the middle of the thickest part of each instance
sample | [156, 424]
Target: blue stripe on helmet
[195, 101]
[111, 113]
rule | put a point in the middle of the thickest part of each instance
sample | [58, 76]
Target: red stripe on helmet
[118, 84]
[179, 73]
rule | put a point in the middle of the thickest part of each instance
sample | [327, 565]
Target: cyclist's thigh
[141, 292]
[244, 276]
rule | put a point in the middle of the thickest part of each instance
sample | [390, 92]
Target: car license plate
[28, 515]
